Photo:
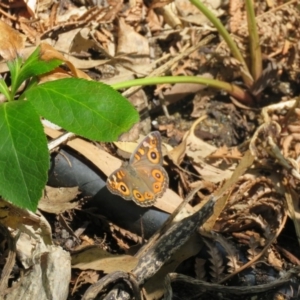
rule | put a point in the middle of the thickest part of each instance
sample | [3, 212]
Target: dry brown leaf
[177, 153]
[179, 91]
[17, 218]
[131, 42]
[30, 32]
[153, 21]
[190, 13]
[211, 173]
[159, 3]
[186, 8]
[65, 40]
[86, 64]
[225, 152]
[85, 241]
[197, 149]
[58, 200]
[91, 276]
[98, 259]
[274, 260]
[11, 42]
[47, 265]
[88, 276]
[82, 42]
[251, 203]
[244, 164]
[48, 53]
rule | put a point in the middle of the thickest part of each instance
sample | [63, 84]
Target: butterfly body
[143, 179]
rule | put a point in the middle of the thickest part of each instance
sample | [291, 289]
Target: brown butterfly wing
[147, 161]
[144, 179]
[149, 149]
[153, 182]
[119, 183]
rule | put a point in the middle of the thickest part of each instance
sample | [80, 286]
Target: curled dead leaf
[11, 42]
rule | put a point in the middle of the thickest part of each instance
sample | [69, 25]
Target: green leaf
[35, 66]
[14, 67]
[87, 108]
[24, 156]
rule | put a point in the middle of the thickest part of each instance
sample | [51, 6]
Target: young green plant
[87, 108]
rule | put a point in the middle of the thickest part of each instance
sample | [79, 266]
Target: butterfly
[143, 179]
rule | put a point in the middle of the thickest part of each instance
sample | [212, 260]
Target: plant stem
[4, 90]
[229, 41]
[231, 89]
[255, 50]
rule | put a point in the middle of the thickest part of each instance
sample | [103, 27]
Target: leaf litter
[248, 246]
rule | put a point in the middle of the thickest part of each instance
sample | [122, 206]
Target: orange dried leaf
[11, 41]
[48, 53]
